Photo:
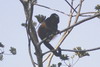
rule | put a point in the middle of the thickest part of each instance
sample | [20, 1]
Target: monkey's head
[54, 18]
[52, 22]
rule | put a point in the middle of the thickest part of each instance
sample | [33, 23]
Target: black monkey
[47, 28]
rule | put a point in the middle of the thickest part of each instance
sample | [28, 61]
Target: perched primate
[47, 28]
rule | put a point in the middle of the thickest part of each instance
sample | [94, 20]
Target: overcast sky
[86, 35]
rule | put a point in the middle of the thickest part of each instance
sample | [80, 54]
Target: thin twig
[75, 62]
[66, 64]
[71, 6]
[86, 14]
[46, 58]
[78, 14]
[87, 50]
[51, 9]
[62, 11]
[82, 21]
[29, 49]
[89, 12]
[69, 50]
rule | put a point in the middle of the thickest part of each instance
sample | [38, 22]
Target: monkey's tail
[56, 53]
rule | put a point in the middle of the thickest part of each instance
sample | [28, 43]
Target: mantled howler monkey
[47, 28]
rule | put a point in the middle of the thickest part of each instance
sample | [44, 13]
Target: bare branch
[86, 14]
[46, 57]
[78, 14]
[93, 49]
[79, 23]
[29, 49]
[71, 6]
[31, 32]
[64, 12]
[52, 9]
[89, 13]
[28, 9]
[69, 50]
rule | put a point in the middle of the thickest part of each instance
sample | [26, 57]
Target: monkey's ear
[40, 18]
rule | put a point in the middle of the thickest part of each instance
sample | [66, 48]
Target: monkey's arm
[48, 45]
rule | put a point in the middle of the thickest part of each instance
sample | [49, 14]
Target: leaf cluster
[81, 53]
[40, 18]
[13, 50]
[64, 57]
[97, 7]
[2, 52]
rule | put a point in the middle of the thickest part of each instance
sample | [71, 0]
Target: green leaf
[59, 64]
[40, 18]
[34, 23]
[1, 57]
[81, 53]
[53, 65]
[64, 57]
[13, 50]
[1, 45]
[98, 7]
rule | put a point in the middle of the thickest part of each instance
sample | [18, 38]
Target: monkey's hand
[58, 31]
[59, 52]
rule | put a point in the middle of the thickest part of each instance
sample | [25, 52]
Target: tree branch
[29, 49]
[28, 12]
[87, 50]
[78, 13]
[80, 22]
[69, 50]
[71, 6]
[51, 9]
[31, 32]
[64, 12]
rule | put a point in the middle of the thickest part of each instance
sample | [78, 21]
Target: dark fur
[48, 27]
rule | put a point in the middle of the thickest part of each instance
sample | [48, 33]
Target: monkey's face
[54, 18]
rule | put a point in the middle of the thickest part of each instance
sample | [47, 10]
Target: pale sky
[13, 34]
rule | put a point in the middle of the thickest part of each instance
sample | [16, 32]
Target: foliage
[59, 64]
[53, 65]
[81, 53]
[1, 57]
[13, 50]
[97, 7]
[64, 57]
[25, 25]
[98, 10]
[40, 18]
[2, 52]
[1, 45]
